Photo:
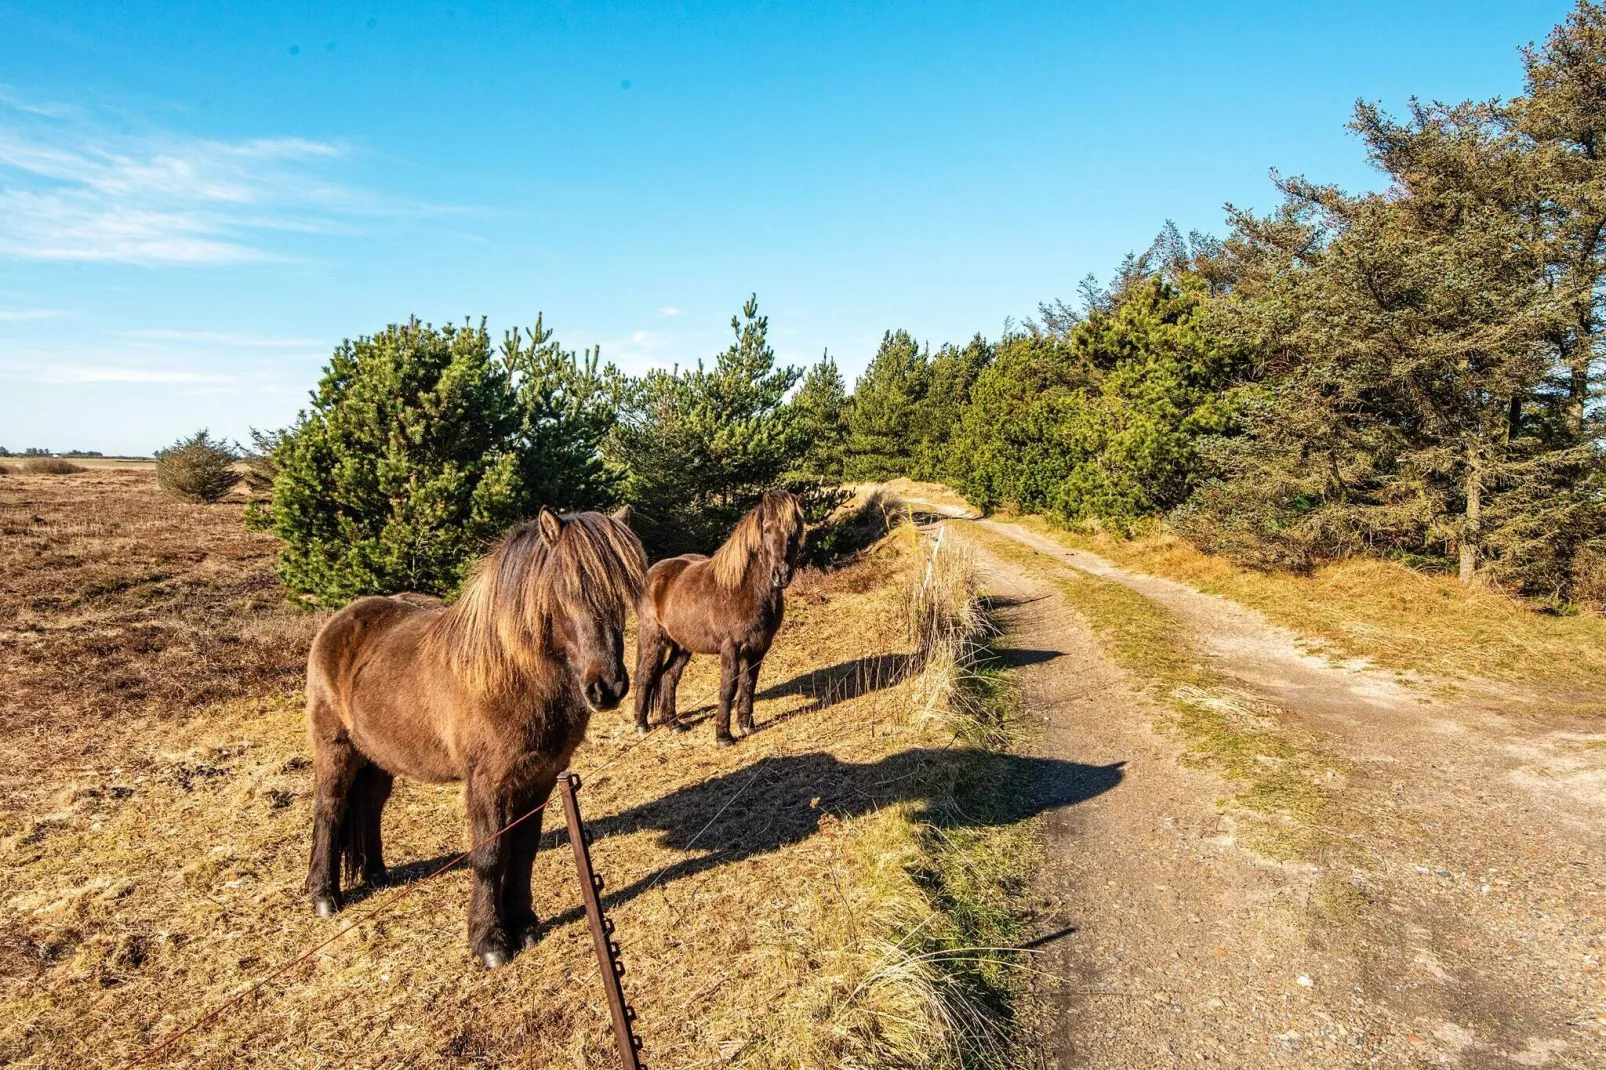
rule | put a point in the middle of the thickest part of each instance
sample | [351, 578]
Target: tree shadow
[844, 681]
[847, 680]
[827, 686]
[779, 801]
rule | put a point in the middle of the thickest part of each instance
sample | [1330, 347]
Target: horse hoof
[494, 960]
[725, 741]
[531, 937]
[642, 730]
[325, 906]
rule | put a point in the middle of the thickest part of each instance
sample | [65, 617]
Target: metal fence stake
[601, 929]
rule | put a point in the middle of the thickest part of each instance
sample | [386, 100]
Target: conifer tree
[821, 408]
[951, 376]
[423, 444]
[699, 447]
[882, 421]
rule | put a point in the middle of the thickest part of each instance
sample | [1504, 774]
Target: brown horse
[730, 604]
[495, 690]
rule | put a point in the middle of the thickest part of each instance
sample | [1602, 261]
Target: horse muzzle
[602, 695]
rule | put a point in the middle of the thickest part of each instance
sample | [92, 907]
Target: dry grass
[812, 897]
[1394, 615]
[935, 493]
[120, 608]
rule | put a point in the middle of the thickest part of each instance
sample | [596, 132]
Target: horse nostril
[602, 695]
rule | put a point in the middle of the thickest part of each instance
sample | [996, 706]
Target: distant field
[91, 462]
[114, 462]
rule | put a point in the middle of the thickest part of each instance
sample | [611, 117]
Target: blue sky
[197, 202]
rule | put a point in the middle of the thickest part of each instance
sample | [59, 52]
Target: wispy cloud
[236, 339]
[74, 189]
[15, 314]
[669, 310]
[119, 374]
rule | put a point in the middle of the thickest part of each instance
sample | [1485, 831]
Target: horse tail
[360, 847]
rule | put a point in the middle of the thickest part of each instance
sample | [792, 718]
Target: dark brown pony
[495, 691]
[730, 604]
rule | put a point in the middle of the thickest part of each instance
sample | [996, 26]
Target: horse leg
[523, 839]
[745, 685]
[487, 813]
[378, 786]
[335, 764]
[669, 687]
[729, 670]
[649, 666]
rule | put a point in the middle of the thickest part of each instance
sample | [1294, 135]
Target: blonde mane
[493, 632]
[730, 562]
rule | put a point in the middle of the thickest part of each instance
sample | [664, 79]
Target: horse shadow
[777, 802]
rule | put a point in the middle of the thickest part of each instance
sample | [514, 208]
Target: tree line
[1414, 372]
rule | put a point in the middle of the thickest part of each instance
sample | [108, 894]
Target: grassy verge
[916, 938]
[1283, 785]
[1382, 610]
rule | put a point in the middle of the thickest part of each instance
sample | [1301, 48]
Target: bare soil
[1452, 915]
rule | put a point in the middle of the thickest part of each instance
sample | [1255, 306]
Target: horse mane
[493, 630]
[731, 560]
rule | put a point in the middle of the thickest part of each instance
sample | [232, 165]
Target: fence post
[931, 564]
[601, 929]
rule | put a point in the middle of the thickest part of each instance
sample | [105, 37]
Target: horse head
[783, 534]
[596, 569]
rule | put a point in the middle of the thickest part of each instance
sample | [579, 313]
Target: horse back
[369, 665]
[703, 617]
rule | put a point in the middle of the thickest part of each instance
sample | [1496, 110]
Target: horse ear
[551, 526]
[622, 514]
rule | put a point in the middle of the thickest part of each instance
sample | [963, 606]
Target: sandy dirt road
[1457, 917]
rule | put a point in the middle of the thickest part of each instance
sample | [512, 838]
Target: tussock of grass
[1382, 610]
[1283, 787]
[49, 466]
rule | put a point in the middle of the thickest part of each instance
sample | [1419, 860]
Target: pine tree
[198, 468]
[1161, 375]
[699, 447]
[1006, 450]
[882, 421]
[422, 445]
[1404, 333]
[821, 408]
[1561, 119]
[951, 375]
